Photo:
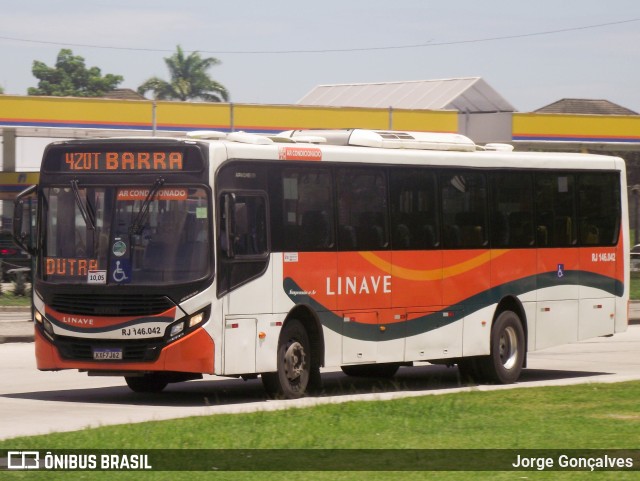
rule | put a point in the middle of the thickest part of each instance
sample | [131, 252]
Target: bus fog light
[48, 326]
[38, 317]
[176, 329]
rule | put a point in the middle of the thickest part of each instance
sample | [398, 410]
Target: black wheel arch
[512, 303]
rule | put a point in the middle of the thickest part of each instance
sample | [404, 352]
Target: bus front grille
[110, 305]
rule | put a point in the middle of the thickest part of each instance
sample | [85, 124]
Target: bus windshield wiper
[87, 213]
[136, 226]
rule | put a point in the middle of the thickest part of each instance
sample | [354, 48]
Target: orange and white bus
[162, 259]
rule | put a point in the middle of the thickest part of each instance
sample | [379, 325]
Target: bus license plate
[107, 354]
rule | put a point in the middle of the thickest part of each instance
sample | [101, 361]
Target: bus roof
[393, 147]
[375, 147]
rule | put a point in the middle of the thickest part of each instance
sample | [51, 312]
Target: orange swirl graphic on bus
[432, 274]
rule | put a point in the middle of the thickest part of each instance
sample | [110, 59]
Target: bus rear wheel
[146, 383]
[291, 379]
[504, 363]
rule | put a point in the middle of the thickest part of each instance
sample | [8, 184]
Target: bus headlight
[184, 325]
[195, 320]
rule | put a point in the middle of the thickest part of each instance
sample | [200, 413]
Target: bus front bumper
[193, 353]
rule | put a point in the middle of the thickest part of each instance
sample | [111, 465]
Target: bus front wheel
[504, 364]
[291, 379]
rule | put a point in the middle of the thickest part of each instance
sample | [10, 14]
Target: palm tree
[189, 80]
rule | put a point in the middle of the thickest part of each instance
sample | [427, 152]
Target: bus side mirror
[23, 228]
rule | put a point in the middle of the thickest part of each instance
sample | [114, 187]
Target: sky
[274, 52]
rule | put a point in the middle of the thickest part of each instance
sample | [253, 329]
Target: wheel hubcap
[509, 348]
[294, 361]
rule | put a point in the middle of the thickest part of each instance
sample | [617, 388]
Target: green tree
[189, 80]
[70, 77]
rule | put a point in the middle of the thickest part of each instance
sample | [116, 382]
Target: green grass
[8, 299]
[573, 417]
[634, 288]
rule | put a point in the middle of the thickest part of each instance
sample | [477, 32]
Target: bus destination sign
[139, 161]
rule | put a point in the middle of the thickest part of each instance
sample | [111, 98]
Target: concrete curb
[16, 339]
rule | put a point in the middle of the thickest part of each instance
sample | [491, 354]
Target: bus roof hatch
[412, 140]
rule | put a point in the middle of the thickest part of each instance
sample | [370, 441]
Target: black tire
[291, 380]
[386, 370]
[146, 383]
[504, 364]
[470, 372]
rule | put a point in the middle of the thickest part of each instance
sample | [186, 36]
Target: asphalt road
[34, 402]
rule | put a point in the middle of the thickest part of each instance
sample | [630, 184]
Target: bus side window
[464, 208]
[246, 219]
[307, 210]
[512, 209]
[414, 209]
[362, 209]
[599, 209]
[556, 224]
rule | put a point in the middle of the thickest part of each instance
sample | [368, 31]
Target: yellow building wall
[576, 128]
[138, 114]
[183, 116]
[73, 112]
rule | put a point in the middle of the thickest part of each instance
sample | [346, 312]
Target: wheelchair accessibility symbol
[118, 274]
[560, 270]
[121, 271]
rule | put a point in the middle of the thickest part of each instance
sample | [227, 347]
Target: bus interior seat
[471, 230]
[542, 235]
[520, 228]
[370, 237]
[315, 230]
[347, 237]
[370, 233]
[401, 237]
[500, 229]
[563, 231]
[429, 238]
[451, 236]
[589, 234]
[154, 256]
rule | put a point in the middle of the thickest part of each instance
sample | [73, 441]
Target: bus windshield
[125, 235]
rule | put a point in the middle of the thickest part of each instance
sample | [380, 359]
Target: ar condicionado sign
[123, 161]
